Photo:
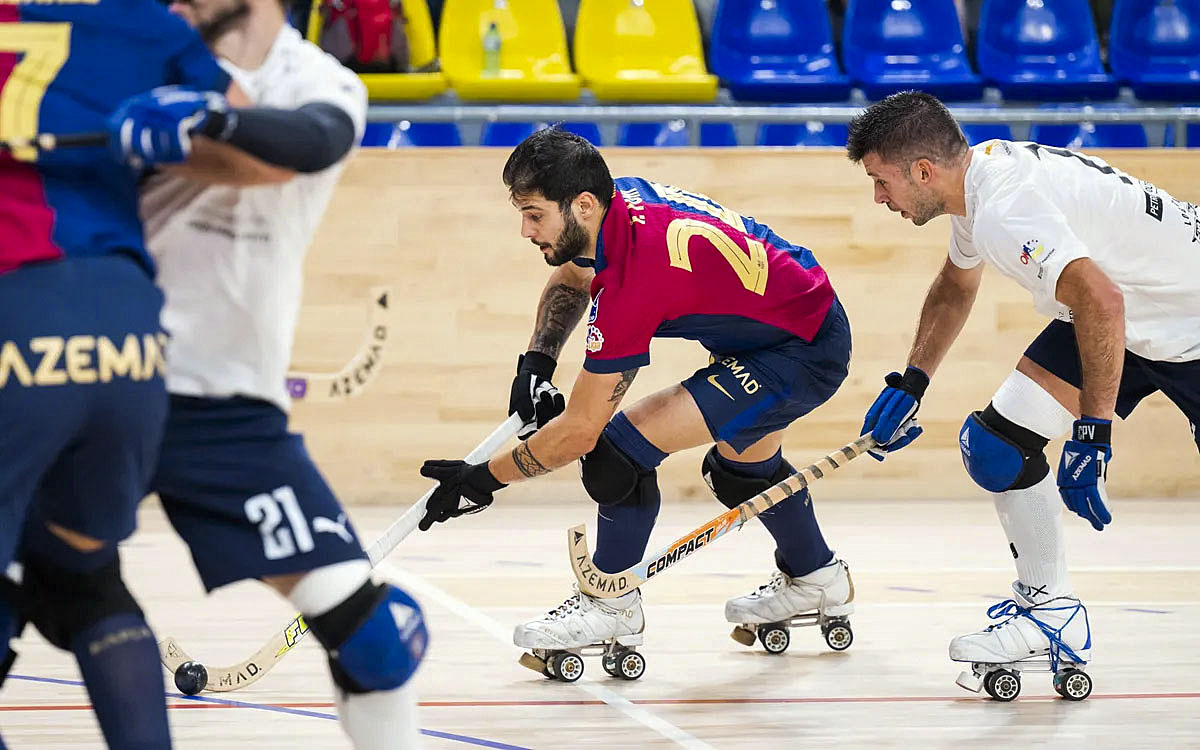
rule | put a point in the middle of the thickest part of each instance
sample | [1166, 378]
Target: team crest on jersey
[595, 339]
[595, 308]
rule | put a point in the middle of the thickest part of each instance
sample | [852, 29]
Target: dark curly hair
[560, 165]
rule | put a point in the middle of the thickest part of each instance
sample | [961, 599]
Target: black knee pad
[62, 603]
[336, 626]
[730, 489]
[1013, 438]
[612, 478]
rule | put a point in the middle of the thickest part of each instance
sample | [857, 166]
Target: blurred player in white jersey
[238, 487]
[1115, 261]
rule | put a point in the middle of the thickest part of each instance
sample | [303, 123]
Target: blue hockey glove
[156, 127]
[891, 420]
[1084, 468]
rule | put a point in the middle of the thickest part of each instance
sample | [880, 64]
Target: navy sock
[800, 547]
[119, 661]
[622, 531]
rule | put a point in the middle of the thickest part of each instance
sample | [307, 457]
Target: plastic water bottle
[491, 50]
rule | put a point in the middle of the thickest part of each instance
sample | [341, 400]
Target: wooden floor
[924, 572]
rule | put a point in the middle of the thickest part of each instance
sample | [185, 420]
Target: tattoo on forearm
[623, 385]
[527, 463]
[558, 313]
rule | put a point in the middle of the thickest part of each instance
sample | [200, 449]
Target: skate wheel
[632, 665]
[743, 635]
[1002, 685]
[775, 638]
[1073, 684]
[609, 662]
[567, 666]
[838, 635]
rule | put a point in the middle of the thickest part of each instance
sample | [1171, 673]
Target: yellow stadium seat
[642, 50]
[533, 64]
[421, 52]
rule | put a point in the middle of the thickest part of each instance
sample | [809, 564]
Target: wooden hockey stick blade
[594, 582]
[52, 141]
[224, 679]
[359, 371]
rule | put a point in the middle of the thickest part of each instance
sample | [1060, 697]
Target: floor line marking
[485, 622]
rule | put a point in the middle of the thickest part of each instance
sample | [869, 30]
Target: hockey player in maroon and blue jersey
[646, 260]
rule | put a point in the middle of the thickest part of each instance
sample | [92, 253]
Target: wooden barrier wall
[437, 225]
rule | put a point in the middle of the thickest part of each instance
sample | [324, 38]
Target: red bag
[368, 36]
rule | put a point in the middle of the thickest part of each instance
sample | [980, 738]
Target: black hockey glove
[463, 488]
[533, 396]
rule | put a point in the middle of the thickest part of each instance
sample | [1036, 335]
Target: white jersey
[231, 258]
[1032, 209]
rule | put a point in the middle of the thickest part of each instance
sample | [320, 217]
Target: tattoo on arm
[527, 463]
[622, 386]
[558, 313]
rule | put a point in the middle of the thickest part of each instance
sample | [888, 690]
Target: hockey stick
[51, 141]
[224, 679]
[594, 582]
[362, 369]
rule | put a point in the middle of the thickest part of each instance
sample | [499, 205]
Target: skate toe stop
[968, 680]
[743, 635]
[529, 661]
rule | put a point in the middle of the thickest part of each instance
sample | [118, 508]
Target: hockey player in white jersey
[1115, 261]
[237, 486]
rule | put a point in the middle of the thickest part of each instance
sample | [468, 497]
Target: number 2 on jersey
[751, 269]
[43, 48]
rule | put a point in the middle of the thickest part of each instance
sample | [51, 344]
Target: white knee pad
[323, 589]
[1025, 403]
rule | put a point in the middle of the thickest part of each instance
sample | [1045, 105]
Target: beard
[926, 207]
[571, 242]
[222, 21]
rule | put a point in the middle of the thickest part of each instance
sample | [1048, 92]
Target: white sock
[380, 720]
[1032, 521]
[1032, 517]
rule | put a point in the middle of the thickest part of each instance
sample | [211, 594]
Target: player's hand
[463, 488]
[533, 396]
[156, 127]
[1084, 469]
[891, 420]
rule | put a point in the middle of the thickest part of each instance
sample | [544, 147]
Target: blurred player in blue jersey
[81, 365]
[658, 261]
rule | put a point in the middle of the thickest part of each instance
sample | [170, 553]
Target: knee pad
[375, 639]
[731, 489]
[62, 603]
[999, 454]
[612, 478]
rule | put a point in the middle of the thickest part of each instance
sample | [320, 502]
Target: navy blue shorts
[244, 494]
[81, 394]
[747, 395]
[1056, 350]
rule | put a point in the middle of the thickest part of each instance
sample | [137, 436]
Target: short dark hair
[560, 165]
[904, 127]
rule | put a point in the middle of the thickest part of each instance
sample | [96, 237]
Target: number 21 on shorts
[269, 512]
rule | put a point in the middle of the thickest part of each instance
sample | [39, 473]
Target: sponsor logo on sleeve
[1035, 251]
[1154, 206]
[595, 339]
[595, 308]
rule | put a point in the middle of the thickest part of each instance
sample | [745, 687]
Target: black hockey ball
[191, 677]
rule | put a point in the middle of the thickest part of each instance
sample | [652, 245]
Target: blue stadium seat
[891, 45]
[674, 133]
[404, 134]
[1155, 45]
[1193, 135]
[777, 51]
[986, 132]
[512, 133]
[1086, 135]
[802, 134]
[1042, 49]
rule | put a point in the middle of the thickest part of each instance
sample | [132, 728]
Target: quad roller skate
[824, 598]
[584, 626]
[1053, 636]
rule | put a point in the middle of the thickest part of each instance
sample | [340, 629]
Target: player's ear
[922, 171]
[587, 204]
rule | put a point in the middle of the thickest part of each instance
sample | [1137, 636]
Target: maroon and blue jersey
[676, 264]
[64, 67]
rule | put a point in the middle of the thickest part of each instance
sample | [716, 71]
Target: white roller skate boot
[824, 597]
[1047, 636]
[585, 626]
